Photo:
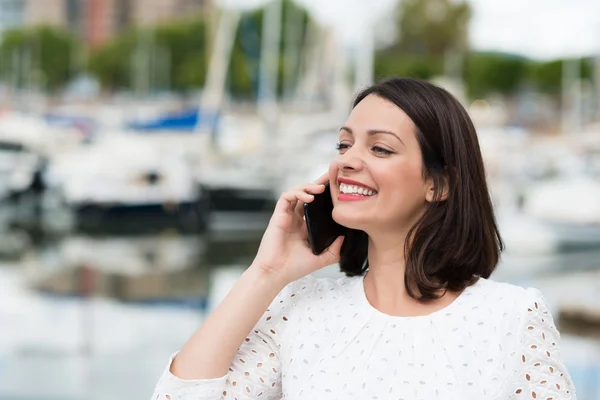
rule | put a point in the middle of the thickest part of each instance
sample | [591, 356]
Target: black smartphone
[322, 229]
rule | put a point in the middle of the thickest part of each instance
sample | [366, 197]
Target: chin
[348, 219]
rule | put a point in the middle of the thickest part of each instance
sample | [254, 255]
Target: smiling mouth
[356, 190]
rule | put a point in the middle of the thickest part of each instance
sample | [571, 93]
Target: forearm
[210, 350]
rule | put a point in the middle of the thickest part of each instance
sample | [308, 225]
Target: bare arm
[207, 366]
[208, 353]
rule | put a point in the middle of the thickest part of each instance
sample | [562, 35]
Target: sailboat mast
[218, 66]
[269, 65]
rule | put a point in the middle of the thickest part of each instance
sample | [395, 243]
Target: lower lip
[352, 197]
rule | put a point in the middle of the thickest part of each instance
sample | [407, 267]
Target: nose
[349, 161]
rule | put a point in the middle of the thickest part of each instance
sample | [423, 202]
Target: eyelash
[341, 146]
[377, 149]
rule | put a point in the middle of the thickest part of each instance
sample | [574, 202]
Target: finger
[303, 196]
[297, 198]
[292, 201]
[308, 189]
[299, 209]
[332, 254]
[286, 203]
[311, 188]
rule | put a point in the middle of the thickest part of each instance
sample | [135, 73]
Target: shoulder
[526, 308]
[505, 309]
[308, 287]
[300, 294]
[529, 339]
[302, 300]
[506, 297]
[515, 311]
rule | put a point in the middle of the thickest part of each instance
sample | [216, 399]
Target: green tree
[185, 44]
[173, 52]
[547, 76]
[432, 27]
[389, 63]
[494, 73]
[111, 63]
[182, 45]
[42, 56]
[428, 30]
[244, 71]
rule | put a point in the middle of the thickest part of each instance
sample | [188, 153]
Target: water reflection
[96, 315]
[165, 267]
[89, 314]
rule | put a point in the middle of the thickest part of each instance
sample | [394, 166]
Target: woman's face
[376, 180]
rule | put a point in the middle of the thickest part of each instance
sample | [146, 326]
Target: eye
[341, 146]
[381, 151]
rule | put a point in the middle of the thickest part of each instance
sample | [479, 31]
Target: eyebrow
[372, 132]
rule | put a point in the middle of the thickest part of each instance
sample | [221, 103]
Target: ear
[441, 185]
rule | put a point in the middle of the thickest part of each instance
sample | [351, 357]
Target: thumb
[332, 254]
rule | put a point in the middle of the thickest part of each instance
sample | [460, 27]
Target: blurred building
[96, 20]
[38, 12]
[11, 14]
[102, 19]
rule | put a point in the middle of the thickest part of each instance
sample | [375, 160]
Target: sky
[540, 29]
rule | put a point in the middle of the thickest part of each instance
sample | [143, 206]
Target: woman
[415, 317]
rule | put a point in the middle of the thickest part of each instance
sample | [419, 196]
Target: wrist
[262, 274]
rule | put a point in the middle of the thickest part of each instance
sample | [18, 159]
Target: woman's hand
[284, 252]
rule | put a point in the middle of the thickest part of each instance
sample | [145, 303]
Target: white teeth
[353, 189]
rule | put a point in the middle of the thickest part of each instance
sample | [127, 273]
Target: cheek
[402, 180]
[333, 174]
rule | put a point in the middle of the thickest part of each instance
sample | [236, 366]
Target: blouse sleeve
[542, 373]
[255, 371]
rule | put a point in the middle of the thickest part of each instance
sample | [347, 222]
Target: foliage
[174, 55]
[111, 64]
[245, 67]
[43, 56]
[547, 76]
[486, 73]
[185, 45]
[143, 51]
[390, 63]
[428, 30]
[433, 27]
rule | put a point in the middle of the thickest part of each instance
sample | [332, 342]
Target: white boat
[554, 215]
[133, 268]
[20, 169]
[124, 175]
[239, 194]
[26, 143]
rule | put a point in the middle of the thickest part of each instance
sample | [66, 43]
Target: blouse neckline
[361, 295]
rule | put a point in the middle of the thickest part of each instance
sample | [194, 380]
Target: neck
[384, 283]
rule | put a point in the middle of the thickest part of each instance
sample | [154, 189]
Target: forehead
[375, 112]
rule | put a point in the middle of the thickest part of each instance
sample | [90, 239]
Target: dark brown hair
[457, 239]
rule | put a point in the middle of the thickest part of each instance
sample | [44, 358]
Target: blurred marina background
[143, 144]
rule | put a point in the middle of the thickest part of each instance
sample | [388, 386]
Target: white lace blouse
[322, 339]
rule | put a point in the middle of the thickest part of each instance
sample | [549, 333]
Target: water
[72, 332]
